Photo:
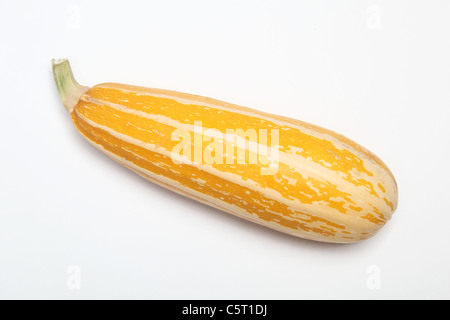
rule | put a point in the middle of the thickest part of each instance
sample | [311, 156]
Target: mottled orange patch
[389, 203]
[355, 208]
[376, 217]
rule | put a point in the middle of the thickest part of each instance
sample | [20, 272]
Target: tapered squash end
[69, 90]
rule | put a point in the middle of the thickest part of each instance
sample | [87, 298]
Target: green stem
[69, 90]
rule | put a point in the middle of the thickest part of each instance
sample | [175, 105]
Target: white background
[375, 71]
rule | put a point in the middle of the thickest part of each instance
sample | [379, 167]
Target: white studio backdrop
[76, 225]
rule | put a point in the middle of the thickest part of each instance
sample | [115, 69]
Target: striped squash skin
[326, 187]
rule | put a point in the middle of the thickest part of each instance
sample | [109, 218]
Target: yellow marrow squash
[282, 173]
